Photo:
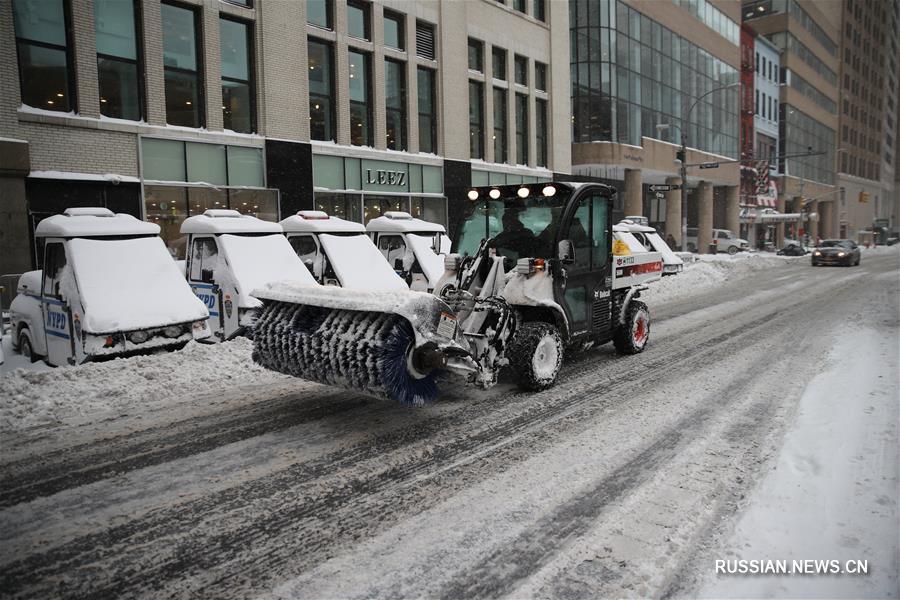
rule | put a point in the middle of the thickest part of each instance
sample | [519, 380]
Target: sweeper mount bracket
[530, 279]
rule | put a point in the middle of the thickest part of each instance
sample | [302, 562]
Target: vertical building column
[673, 211]
[779, 227]
[212, 65]
[341, 75]
[151, 14]
[704, 216]
[379, 78]
[732, 209]
[634, 204]
[88, 89]
[826, 220]
[813, 226]
[283, 91]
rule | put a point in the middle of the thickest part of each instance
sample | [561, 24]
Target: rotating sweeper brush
[535, 276]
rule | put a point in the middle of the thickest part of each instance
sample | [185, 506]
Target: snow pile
[29, 398]
[358, 264]
[131, 284]
[709, 272]
[258, 260]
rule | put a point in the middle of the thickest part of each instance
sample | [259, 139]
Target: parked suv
[723, 238]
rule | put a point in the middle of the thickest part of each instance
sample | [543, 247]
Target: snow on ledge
[109, 177]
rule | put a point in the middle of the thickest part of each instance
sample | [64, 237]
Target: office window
[756, 110]
[775, 110]
[521, 129]
[118, 71]
[427, 112]
[358, 20]
[46, 76]
[360, 99]
[519, 5]
[521, 70]
[238, 99]
[395, 104]
[498, 63]
[757, 62]
[500, 115]
[476, 120]
[320, 13]
[539, 12]
[540, 126]
[540, 76]
[425, 40]
[476, 55]
[394, 30]
[184, 89]
[321, 91]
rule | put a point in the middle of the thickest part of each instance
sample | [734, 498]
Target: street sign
[709, 165]
[664, 188]
[660, 195]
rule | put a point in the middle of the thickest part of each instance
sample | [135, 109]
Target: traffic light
[864, 196]
[679, 155]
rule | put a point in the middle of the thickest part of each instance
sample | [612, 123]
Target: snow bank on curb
[712, 271]
[29, 398]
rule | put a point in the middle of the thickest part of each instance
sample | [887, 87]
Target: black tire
[732, 250]
[691, 247]
[632, 336]
[535, 355]
[25, 347]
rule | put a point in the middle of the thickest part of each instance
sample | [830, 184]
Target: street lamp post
[683, 170]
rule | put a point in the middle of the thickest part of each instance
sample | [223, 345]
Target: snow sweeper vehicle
[339, 253]
[413, 247]
[230, 255]
[108, 287]
[532, 278]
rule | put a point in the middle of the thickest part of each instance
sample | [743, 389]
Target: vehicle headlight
[138, 337]
[817, 253]
[172, 331]
[842, 254]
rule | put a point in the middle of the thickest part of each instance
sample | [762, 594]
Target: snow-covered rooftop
[93, 221]
[402, 222]
[316, 221]
[222, 220]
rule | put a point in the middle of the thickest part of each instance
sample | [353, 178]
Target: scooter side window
[54, 261]
[204, 256]
[306, 248]
[394, 249]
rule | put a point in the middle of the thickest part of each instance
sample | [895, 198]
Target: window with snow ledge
[44, 49]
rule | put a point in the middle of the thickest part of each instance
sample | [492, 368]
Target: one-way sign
[664, 188]
[709, 165]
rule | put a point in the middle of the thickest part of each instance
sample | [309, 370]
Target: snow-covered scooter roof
[223, 220]
[93, 222]
[402, 222]
[316, 221]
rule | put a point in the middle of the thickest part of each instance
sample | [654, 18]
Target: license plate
[447, 325]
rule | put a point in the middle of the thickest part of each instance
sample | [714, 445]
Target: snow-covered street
[760, 423]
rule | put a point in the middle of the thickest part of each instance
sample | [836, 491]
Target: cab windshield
[518, 227]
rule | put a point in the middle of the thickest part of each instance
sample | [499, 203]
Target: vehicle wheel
[732, 250]
[631, 337]
[691, 247]
[535, 355]
[25, 348]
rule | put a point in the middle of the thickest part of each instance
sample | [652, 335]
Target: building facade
[868, 101]
[164, 109]
[806, 35]
[644, 74]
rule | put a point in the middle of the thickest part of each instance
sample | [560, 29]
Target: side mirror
[565, 252]
[206, 275]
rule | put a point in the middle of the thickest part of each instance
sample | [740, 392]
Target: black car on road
[836, 252]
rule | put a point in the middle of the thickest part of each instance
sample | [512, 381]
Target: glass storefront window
[245, 166]
[262, 204]
[163, 160]
[375, 206]
[344, 206]
[167, 207]
[433, 210]
[206, 162]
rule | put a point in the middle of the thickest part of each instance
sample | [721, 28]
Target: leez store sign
[385, 177]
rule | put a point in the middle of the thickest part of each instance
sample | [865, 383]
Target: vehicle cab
[651, 241]
[338, 252]
[412, 247]
[108, 287]
[230, 255]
